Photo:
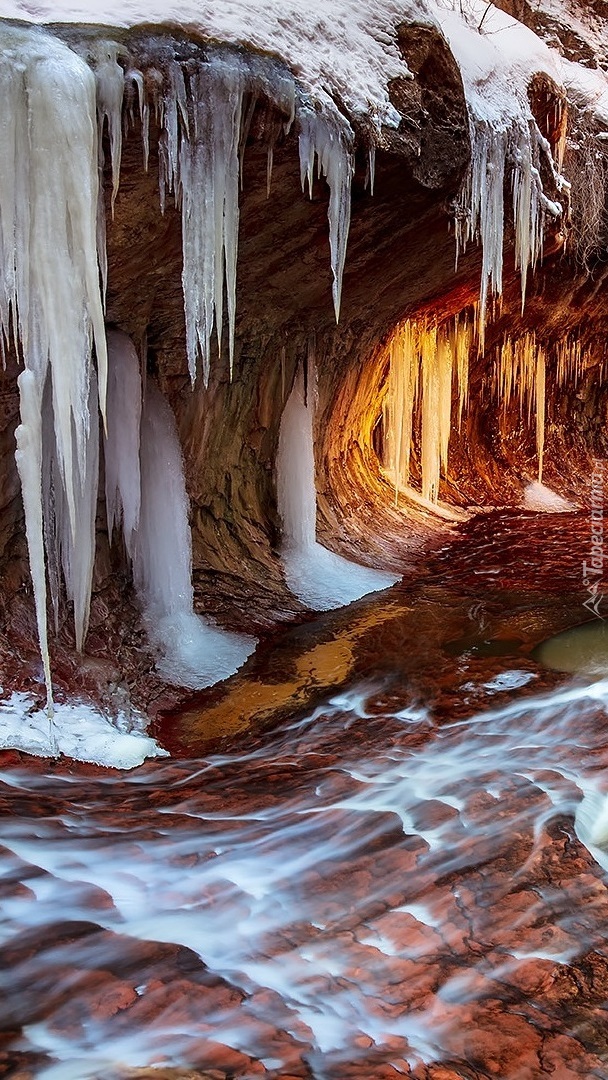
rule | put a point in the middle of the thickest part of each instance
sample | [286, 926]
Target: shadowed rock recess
[399, 272]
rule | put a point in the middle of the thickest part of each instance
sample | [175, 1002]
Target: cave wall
[400, 264]
[400, 254]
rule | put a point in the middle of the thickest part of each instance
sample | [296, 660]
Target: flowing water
[403, 874]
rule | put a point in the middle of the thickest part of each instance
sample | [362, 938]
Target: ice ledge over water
[80, 731]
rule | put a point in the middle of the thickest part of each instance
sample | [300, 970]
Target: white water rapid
[361, 886]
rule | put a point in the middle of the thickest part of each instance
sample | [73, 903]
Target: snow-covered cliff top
[348, 48]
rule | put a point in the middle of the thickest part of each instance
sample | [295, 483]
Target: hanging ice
[422, 361]
[498, 58]
[327, 136]
[109, 84]
[398, 409]
[521, 372]
[29, 463]
[318, 577]
[122, 473]
[49, 277]
[145, 486]
[199, 162]
[516, 151]
[73, 548]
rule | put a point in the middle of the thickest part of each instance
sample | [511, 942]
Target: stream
[401, 871]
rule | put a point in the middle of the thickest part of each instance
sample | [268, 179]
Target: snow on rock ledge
[79, 731]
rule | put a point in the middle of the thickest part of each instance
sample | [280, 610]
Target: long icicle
[49, 275]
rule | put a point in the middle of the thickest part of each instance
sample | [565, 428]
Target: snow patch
[544, 500]
[349, 52]
[80, 731]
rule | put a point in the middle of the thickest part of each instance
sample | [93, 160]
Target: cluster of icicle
[53, 268]
[521, 376]
[50, 300]
[423, 361]
[203, 118]
[427, 389]
[514, 152]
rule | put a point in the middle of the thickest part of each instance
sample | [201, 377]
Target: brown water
[380, 853]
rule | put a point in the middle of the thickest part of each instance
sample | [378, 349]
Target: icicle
[144, 112]
[480, 209]
[540, 410]
[110, 82]
[329, 137]
[77, 546]
[209, 182]
[371, 167]
[121, 447]
[28, 456]
[246, 122]
[49, 284]
[404, 362]
[431, 415]
[461, 346]
[318, 577]
[174, 109]
[269, 164]
[50, 478]
[444, 404]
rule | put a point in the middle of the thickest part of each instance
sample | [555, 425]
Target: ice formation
[522, 375]
[207, 172]
[80, 731]
[424, 359]
[54, 269]
[121, 445]
[351, 58]
[49, 290]
[427, 383]
[516, 151]
[317, 576]
[329, 138]
[146, 487]
[497, 64]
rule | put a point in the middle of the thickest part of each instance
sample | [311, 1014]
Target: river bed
[392, 865]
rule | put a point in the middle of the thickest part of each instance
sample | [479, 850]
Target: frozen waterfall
[49, 293]
[145, 487]
[318, 577]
